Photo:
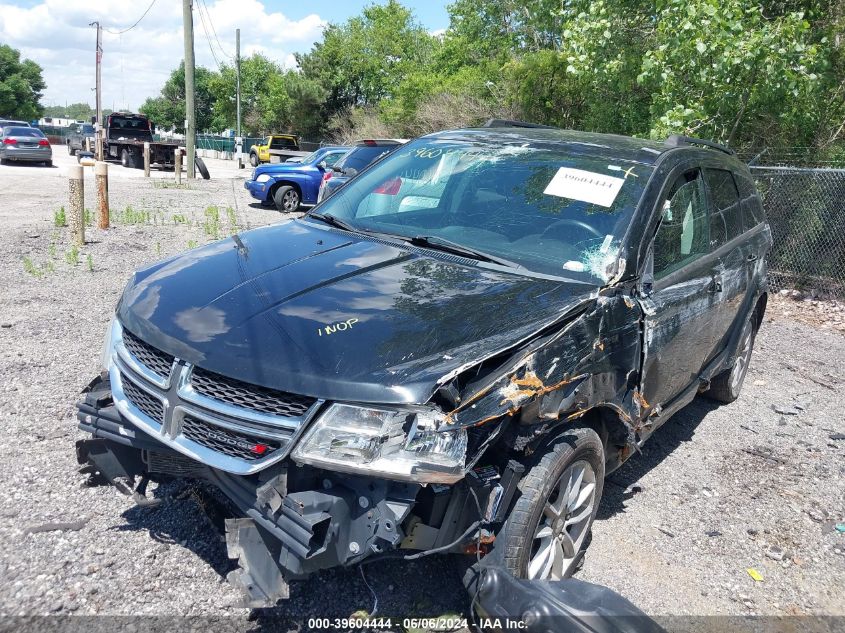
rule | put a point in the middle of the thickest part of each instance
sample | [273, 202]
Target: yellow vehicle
[275, 148]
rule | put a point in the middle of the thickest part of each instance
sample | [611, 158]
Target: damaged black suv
[448, 355]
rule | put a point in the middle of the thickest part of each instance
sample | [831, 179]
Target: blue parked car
[293, 185]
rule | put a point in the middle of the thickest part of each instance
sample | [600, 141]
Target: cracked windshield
[538, 207]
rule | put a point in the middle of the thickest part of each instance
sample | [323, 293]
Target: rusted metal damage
[582, 366]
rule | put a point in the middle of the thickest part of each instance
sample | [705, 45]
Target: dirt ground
[718, 495]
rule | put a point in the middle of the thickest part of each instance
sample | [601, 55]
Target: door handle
[751, 258]
[716, 284]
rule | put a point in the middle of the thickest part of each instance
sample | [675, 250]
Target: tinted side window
[725, 214]
[332, 157]
[752, 205]
[683, 234]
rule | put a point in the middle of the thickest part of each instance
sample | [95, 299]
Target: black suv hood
[325, 313]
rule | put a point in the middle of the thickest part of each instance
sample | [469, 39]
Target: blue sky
[432, 13]
[56, 34]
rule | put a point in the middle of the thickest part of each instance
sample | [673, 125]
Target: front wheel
[546, 531]
[726, 386]
[286, 199]
[70, 150]
[253, 160]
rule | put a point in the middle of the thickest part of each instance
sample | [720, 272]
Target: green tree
[726, 70]
[265, 103]
[21, 85]
[168, 109]
[360, 62]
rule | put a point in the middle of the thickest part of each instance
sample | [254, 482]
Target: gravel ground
[719, 490]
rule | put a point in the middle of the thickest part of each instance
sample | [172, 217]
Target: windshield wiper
[442, 244]
[334, 221]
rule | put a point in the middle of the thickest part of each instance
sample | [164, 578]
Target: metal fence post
[146, 159]
[177, 165]
[76, 204]
[101, 174]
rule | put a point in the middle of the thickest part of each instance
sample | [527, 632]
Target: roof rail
[510, 123]
[678, 140]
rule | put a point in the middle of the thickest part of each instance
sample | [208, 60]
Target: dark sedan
[362, 154]
[25, 144]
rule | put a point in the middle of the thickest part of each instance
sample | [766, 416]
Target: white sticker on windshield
[586, 186]
[605, 245]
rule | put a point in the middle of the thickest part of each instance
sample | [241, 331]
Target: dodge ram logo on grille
[258, 449]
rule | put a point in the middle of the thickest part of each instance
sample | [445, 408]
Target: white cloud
[56, 34]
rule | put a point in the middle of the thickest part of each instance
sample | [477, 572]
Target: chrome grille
[242, 394]
[148, 404]
[153, 359]
[226, 441]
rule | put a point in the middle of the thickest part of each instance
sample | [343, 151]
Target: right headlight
[391, 443]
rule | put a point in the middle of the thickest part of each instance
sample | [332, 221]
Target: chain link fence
[806, 211]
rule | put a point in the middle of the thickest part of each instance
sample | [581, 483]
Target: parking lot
[718, 492]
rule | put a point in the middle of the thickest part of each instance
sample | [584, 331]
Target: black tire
[126, 158]
[287, 199]
[727, 386]
[203, 170]
[48, 163]
[253, 159]
[4, 161]
[70, 150]
[541, 484]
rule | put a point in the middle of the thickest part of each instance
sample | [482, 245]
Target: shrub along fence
[806, 210]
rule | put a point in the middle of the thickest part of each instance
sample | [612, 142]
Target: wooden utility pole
[190, 112]
[238, 69]
[98, 125]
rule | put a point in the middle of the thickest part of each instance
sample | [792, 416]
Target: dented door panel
[681, 329]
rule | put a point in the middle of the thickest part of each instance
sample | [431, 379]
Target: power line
[138, 21]
[213, 30]
[208, 39]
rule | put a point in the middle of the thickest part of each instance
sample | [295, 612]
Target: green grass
[170, 184]
[130, 215]
[158, 248]
[180, 218]
[72, 256]
[31, 268]
[233, 220]
[88, 217]
[90, 262]
[192, 244]
[60, 217]
[211, 226]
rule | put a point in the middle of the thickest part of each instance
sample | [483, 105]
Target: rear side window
[279, 142]
[683, 234]
[750, 201]
[362, 156]
[332, 157]
[725, 213]
[23, 131]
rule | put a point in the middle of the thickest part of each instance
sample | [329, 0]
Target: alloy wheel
[290, 201]
[564, 523]
[742, 360]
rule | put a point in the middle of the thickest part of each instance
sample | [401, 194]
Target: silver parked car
[25, 144]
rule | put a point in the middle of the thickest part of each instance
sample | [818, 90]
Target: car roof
[379, 142]
[610, 146]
